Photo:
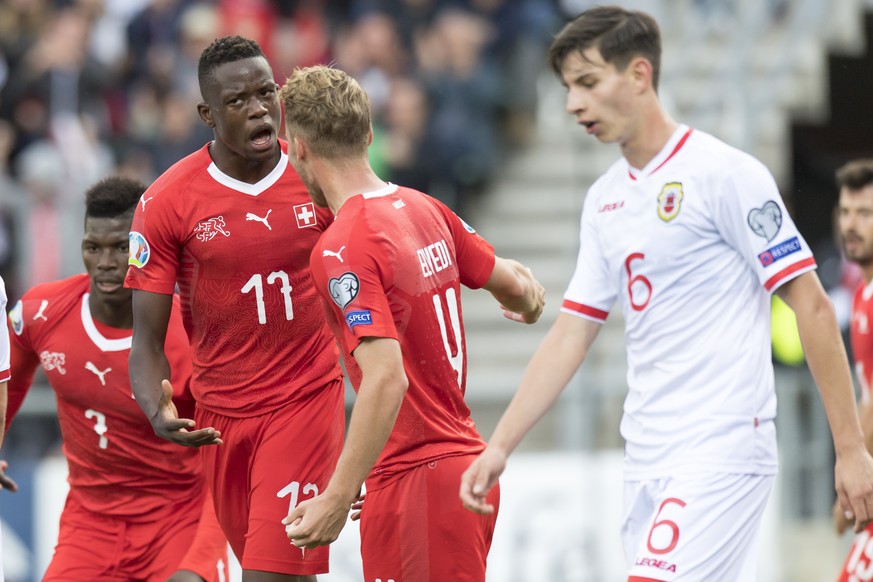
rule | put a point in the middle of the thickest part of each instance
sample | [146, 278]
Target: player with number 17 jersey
[266, 369]
[239, 253]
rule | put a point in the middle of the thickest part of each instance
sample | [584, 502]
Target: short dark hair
[855, 175]
[617, 33]
[113, 197]
[227, 49]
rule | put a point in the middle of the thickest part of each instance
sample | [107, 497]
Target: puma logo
[253, 216]
[144, 200]
[338, 254]
[41, 313]
[92, 368]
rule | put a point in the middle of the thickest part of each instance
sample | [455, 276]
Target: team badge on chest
[670, 201]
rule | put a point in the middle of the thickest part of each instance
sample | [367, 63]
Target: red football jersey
[391, 265]
[117, 466]
[240, 255]
[862, 336]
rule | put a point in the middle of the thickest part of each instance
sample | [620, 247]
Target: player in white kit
[690, 237]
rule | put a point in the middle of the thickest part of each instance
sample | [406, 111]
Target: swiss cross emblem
[669, 201]
[207, 229]
[305, 215]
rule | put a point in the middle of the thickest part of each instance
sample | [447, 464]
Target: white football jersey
[691, 247]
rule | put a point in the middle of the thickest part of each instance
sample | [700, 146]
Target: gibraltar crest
[670, 201]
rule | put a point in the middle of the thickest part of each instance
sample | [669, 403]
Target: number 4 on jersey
[453, 307]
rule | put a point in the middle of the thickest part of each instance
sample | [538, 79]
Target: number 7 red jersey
[239, 253]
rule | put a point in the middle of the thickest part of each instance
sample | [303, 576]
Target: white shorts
[694, 528]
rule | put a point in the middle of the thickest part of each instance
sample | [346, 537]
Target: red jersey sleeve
[155, 245]
[474, 254]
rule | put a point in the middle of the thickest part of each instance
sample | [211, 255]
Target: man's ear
[641, 72]
[300, 149]
[205, 114]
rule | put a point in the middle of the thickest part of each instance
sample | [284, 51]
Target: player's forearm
[550, 370]
[513, 285]
[829, 365]
[376, 407]
[148, 366]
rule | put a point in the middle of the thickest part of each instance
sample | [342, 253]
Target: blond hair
[328, 109]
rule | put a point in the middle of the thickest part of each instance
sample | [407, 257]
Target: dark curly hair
[226, 49]
[113, 197]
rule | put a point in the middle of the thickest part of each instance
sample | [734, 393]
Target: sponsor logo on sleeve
[344, 289]
[305, 215]
[766, 221]
[363, 317]
[670, 201]
[139, 250]
[16, 317]
[779, 251]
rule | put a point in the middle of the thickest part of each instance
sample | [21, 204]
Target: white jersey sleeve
[752, 218]
[590, 294]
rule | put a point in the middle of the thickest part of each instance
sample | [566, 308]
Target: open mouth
[262, 138]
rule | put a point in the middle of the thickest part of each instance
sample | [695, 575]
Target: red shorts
[859, 563]
[416, 530]
[267, 465]
[92, 546]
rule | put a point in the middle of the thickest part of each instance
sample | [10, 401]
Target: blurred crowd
[90, 88]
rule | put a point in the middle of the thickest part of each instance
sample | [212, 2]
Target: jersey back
[117, 466]
[239, 253]
[391, 266]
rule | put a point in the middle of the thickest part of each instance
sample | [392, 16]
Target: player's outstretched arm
[829, 365]
[150, 370]
[520, 295]
[556, 360]
[319, 521]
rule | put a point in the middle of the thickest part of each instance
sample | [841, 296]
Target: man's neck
[654, 129]
[340, 181]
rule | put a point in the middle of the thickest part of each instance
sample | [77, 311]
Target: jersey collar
[385, 190]
[244, 187]
[670, 149]
[104, 343]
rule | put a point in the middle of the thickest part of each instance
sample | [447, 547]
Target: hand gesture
[167, 424]
[853, 477]
[317, 521]
[479, 478]
[6, 481]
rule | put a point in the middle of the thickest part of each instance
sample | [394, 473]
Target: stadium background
[464, 109]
